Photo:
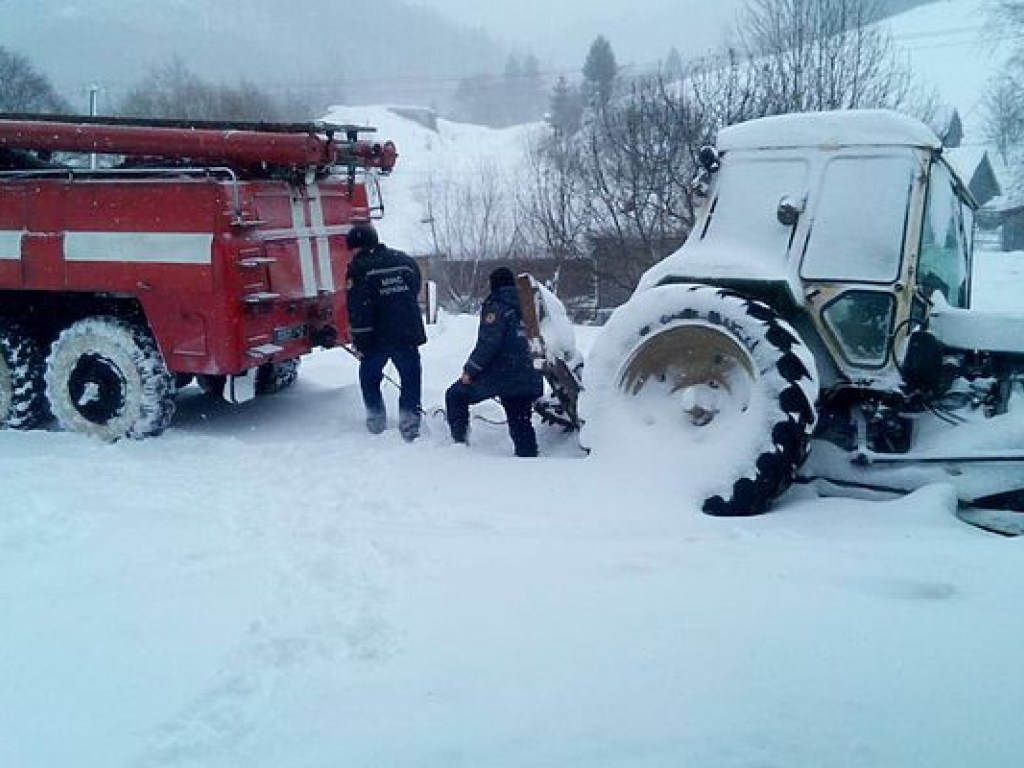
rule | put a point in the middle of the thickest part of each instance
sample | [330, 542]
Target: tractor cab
[845, 225]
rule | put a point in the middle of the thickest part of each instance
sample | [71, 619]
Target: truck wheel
[724, 370]
[106, 377]
[273, 377]
[22, 404]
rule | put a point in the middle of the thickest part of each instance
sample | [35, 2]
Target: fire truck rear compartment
[218, 248]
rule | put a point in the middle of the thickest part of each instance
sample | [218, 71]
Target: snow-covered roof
[861, 127]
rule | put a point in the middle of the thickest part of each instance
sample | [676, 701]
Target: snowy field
[269, 586]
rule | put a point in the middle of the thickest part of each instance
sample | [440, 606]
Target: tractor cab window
[943, 265]
[861, 322]
[744, 212]
[860, 219]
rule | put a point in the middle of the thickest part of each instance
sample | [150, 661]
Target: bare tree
[246, 101]
[474, 223]
[813, 55]
[617, 193]
[556, 213]
[723, 89]
[24, 89]
[1007, 17]
[171, 90]
[637, 169]
[174, 91]
[1004, 108]
[1004, 98]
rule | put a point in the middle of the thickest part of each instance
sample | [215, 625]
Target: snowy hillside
[942, 42]
[314, 50]
[452, 153]
[951, 46]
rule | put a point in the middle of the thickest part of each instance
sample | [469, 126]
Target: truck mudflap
[553, 346]
[241, 388]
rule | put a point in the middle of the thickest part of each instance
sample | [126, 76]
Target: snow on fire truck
[206, 251]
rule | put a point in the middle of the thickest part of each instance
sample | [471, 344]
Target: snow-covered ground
[269, 585]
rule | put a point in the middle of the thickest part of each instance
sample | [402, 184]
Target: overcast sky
[560, 32]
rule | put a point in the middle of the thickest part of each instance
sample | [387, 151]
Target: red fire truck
[212, 251]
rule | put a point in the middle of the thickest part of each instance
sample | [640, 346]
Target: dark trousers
[410, 375]
[518, 412]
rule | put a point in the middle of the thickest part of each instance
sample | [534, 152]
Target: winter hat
[361, 236]
[502, 276]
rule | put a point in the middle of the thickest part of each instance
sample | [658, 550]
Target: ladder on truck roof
[297, 146]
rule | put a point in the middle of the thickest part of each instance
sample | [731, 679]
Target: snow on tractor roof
[867, 127]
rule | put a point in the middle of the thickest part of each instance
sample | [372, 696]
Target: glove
[361, 343]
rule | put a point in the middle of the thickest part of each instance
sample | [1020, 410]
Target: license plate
[289, 334]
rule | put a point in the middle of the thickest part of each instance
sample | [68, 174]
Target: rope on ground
[496, 422]
[422, 411]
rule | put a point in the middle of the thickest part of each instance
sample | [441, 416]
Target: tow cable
[436, 411]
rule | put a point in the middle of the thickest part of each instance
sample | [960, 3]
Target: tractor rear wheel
[106, 377]
[731, 380]
[22, 404]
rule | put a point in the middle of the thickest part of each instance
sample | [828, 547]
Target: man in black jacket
[384, 316]
[501, 366]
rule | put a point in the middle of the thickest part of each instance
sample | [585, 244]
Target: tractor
[817, 326]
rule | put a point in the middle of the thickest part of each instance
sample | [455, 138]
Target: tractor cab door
[943, 278]
[853, 260]
[944, 255]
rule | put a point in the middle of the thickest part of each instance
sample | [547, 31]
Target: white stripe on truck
[139, 247]
[305, 247]
[10, 244]
[323, 247]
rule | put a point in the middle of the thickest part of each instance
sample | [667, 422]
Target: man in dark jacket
[384, 315]
[501, 366]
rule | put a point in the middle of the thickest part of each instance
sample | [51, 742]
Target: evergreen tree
[673, 65]
[532, 88]
[523, 97]
[599, 73]
[478, 101]
[511, 105]
[516, 97]
[565, 111]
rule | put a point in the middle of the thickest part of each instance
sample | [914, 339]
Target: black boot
[519, 411]
[409, 425]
